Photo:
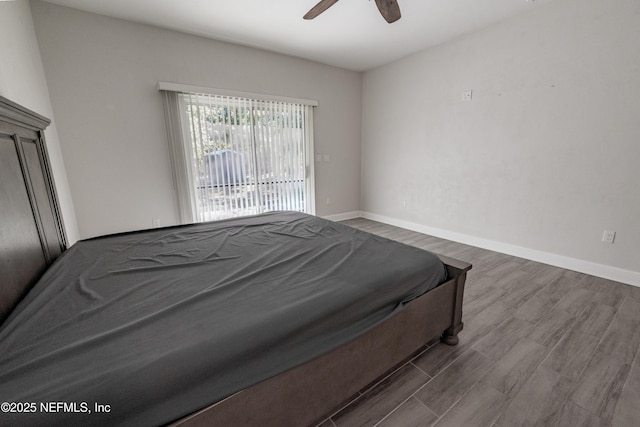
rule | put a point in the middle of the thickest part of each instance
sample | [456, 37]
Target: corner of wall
[23, 81]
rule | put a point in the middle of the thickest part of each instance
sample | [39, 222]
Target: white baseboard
[575, 264]
[343, 216]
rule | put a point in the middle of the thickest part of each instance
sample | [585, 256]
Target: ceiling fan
[388, 8]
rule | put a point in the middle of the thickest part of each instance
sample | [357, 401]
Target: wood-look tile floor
[541, 346]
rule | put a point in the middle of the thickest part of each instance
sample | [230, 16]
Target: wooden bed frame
[33, 237]
[31, 231]
[309, 393]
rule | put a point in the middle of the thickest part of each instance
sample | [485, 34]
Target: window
[234, 156]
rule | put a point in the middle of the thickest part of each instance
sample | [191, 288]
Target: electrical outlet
[466, 95]
[155, 223]
[608, 236]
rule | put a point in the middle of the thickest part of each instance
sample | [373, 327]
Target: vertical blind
[239, 156]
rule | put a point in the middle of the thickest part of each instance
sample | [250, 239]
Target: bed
[274, 319]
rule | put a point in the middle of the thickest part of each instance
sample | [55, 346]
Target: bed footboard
[457, 271]
[310, 392]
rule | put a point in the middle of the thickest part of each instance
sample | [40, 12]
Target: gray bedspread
[157, 324]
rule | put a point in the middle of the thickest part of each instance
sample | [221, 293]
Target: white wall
[541, 161]
[103, 74]
[22, 80]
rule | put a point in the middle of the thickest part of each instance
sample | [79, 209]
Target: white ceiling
[351, 34]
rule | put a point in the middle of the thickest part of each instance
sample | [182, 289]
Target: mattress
[146, 327]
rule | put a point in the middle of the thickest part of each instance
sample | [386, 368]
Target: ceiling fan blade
[389, 9]
[319, 8]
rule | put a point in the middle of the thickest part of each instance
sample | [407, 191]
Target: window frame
[179, 139]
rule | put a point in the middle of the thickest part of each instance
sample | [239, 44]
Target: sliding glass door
[245, 156]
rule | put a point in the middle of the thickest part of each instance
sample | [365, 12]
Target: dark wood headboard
[31, 230]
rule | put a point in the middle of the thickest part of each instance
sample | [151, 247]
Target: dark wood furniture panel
[31, 231]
